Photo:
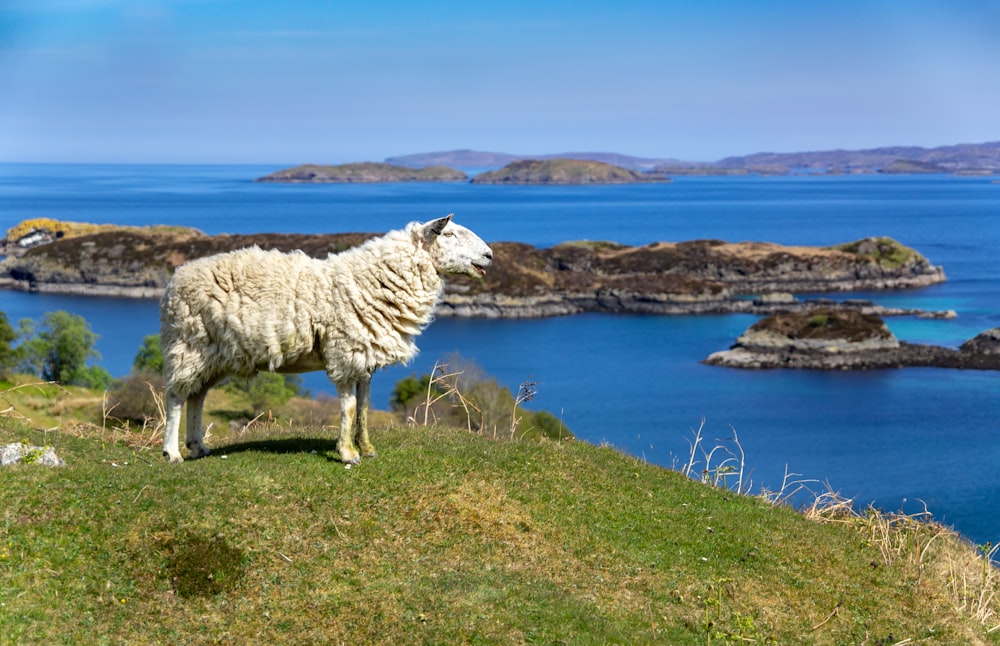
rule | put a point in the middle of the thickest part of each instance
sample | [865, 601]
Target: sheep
[243, 311]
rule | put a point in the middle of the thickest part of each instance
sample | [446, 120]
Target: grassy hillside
[448, 537]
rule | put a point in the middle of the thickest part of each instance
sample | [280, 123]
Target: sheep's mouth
[480, 267]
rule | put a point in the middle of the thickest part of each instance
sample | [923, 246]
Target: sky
[240, 81]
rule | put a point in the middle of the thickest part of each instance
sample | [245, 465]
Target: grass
[886, 251]
[451, 537]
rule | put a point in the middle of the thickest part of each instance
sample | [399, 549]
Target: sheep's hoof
[198, 451]
[371, 454]
[173, 458]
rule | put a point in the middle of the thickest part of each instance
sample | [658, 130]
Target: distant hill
[564, 171]
[455, 159]
[491, 160]
[961, 158]
[364, 172]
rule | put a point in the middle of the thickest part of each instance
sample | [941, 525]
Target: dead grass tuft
[924, 550]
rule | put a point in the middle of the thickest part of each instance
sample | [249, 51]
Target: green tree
[58, 350]
[8, 354]
[150, 355]
[409, 390]
[268, 390]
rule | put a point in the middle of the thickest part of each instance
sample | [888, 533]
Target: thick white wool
[249, 310]
[355, 312]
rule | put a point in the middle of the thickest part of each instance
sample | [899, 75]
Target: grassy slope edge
[444, 537]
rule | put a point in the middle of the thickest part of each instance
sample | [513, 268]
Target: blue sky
[222, 81]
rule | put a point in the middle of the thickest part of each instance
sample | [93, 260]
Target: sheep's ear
[434, 228]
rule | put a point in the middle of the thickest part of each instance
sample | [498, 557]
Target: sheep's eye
[450, 234]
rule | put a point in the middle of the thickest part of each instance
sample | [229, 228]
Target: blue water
[892, 437]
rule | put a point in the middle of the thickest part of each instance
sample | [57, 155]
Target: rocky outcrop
[364, 172]
[36, 232]
[135, 262]
[822, 338]
[11, 454]
[705, 276]
[565, 171]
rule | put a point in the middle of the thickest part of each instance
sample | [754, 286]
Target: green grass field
[449, 537]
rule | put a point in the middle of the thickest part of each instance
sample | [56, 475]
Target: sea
[910, 440]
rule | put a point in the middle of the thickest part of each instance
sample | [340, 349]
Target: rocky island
[364, 172]
[565, 171]
[702, 276]
[824, 338]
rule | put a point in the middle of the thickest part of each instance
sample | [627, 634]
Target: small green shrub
[459, 393]
[267, 390]
[8, 355]
[820, 320]
[544, 424]
[134, 398]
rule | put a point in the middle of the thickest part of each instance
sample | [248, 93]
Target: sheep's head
[455, 249]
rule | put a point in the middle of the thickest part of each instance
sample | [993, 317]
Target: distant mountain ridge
[959, 158]
[942, 159]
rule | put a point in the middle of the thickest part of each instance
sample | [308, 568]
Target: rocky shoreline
[823, 338]
[82, 289]
[610, 302]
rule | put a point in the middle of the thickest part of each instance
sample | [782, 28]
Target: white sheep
[240, 312]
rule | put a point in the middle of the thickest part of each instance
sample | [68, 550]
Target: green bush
[58, 350]
[463, 395]
[268, 390]
[8, 354]
[409, 391]
[544, 424]
[820, 320]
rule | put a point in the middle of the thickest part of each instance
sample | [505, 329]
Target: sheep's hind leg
[361, 419]
[348, 409]
[174, 407]
[194, 438]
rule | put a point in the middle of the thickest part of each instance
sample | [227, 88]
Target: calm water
[891, 437]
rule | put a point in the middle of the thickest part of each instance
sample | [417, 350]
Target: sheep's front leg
[348, 409]
[196, 447]
[361, 421]
[170, 434]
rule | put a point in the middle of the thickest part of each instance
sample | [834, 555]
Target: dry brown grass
[934, 557]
